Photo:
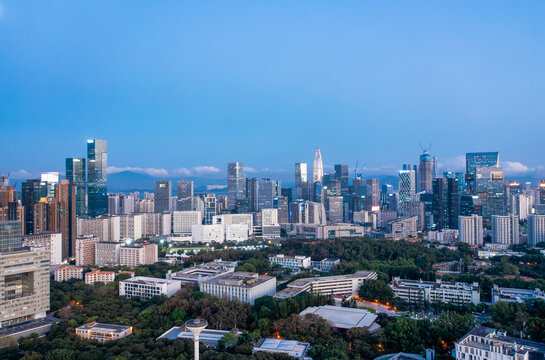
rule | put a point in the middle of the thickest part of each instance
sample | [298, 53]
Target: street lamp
[162, 241]
[196, 326]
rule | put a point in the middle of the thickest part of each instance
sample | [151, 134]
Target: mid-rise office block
[244, 286]
[505, 230]
[49, 241]
[148, 287]
[85, 249]
[418, 291]
[470, 230]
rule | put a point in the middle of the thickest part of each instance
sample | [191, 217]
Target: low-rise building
[291, 262]
[340, 285]
[240, 285]
[68, 272]
[99, 276]
[103, 332]
[196, 274]
[344, 318]
[325, 265]
[49, 241]
[491, 344]
[138, 254]
[293, 348]
[208, 337]
[322, 232]
[418, 291]
[148, 287]
[515, 295]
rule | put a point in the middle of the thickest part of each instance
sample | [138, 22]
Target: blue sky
[182, 87]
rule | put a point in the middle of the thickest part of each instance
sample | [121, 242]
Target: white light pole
[196, 326]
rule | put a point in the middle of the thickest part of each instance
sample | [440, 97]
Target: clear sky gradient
[194, 85]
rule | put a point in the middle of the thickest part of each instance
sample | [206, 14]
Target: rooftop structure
[418, 291]
[343, 317]
[196, 274]
[241, 285]
[292, 348]
[103, 332]
[148, 287]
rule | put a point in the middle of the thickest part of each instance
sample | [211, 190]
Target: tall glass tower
[75, 174]
[97, 177]
[318, 167]
[236, 183]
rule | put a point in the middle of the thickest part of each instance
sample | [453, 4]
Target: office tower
[32, 190]
[318, 167]
[415, 208]
[63, 208]
[434, 167]
[268, 190]
[10, 236]
[505, 229]
[456, 175]
[301, 179]
[287, 193]
[489, 186]
[478, 160]
[386, 193]
[512, 190]
[470, 205]
[162, 195]
[50, 179]
[470, 230]
[407, 186]
[236, 183]
[75, 174]
[341, 174]
[9, 205]
[445, 203]
[185, 195]
[425, 175]
[281, 203]
[97, 177]
[335, 209]
[536, 229]
[209, 208]
[252, 194]
[372, 195]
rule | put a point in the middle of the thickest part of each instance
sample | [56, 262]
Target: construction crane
[425, 151]
[358, 173]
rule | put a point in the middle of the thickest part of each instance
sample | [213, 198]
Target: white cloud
[249, 169]
[215, 187]
[515, 167]
[155, 172]
[22, 174]
[457, 163]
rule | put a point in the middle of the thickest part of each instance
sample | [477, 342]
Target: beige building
[99, 276]
[107, 253]
[49, 241]
[24, 286]
[130, 226]
[103, 332]
[240, 285]
[68, 272]
[107, 228]
[85, 249]
[138, 254]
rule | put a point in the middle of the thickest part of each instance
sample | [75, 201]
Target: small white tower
[196, 326]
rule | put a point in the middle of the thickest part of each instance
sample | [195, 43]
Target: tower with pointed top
[318, 168]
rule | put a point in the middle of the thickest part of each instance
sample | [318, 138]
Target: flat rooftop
[149, 280]
[207, 336]
[291, 347]
[104, 327]
[343, 317]
[305, 281]
[239, 279]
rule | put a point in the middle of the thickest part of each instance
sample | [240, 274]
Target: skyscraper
[33, 190]
[75, 174]
[425, 173]
[318, 167]
[505, 229]
[163, 193]
[252, 193]
[407, 186]
[63, 216]
[97, 177]
[372, 195]
[236, 183]
[489, 186]
[470, 229]
[478, 160]
[445, 206]
[10, 236]
[341, 174]
[185, 195]
[301, 179]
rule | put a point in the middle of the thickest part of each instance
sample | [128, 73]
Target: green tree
[376, 290]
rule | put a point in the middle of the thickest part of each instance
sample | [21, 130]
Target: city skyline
[346, 79]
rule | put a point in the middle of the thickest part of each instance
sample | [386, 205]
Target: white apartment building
[236, 232]
[484, 343]
[156, 223]
[148, 287]
[505, 229]
[207, 233]
[85, 249]
[196, 274]
[49, 241]
[182, 221]
[418, 291]
[107, 228]
[340, 285]
[99, 276]
[536, 229]
[470, 230]
[107, 253]
[515, 295]
[269, 217]
[138, 254]
[144, 206]
[231, 219]
[292, 262]
[244, 286]
[130, 226]
[68, 272]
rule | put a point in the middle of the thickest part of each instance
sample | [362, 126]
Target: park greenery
[75, 303]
